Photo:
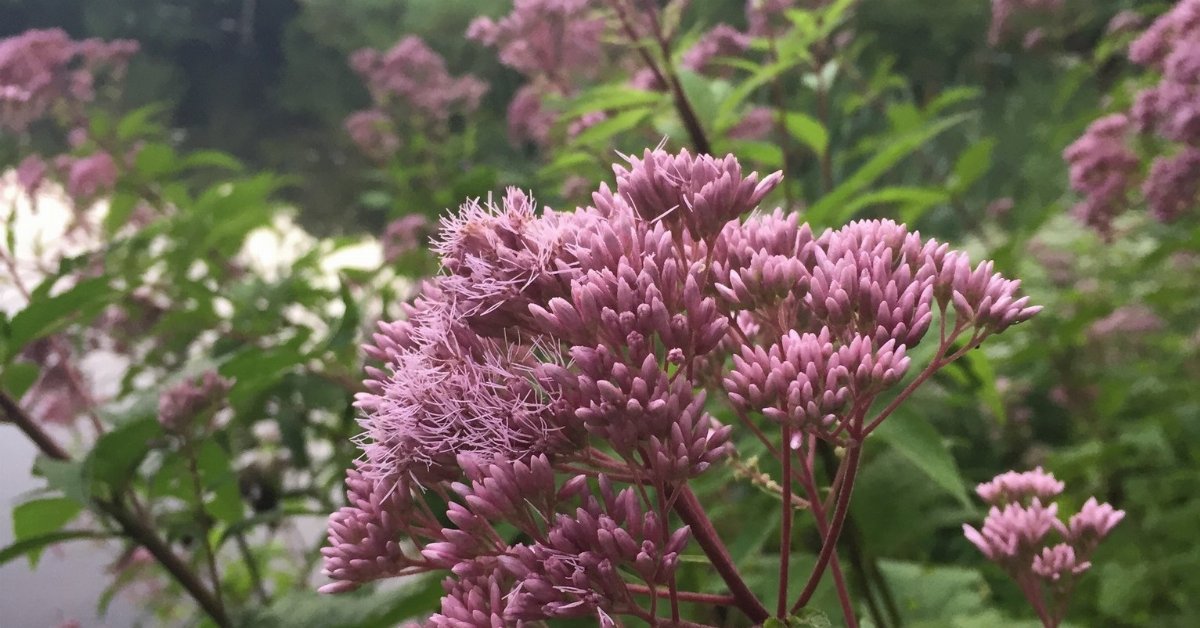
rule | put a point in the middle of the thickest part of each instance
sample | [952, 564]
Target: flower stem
[692, 513]
[818, 509]
[829, 545]
[133, 527]
[785, 534]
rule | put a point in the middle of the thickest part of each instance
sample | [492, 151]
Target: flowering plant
[555, 379]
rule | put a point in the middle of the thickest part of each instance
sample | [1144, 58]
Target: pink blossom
[186, 401]
[1055, 563]
[373, 132]
[722, 41]
[1102, 168]
[1019, 487]
[90, 177]
[31, 172]
[413, 76]
[1003, 12]
[404, 235]
[551, 39]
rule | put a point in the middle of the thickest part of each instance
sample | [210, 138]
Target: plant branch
[829, 546]
[715, 599]
[785, 533]
[692, 513]
[808, 481]
[133, 527]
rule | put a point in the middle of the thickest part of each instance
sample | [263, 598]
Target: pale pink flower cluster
[45, 72]
[1024, 535]
[374, 133]
[409, 84]
[561, 355]
[1003, 12]
[180, 405]
[1103, 166]
[554, 44]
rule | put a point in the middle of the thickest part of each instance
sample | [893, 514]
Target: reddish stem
[785, 534]
[692, 513]
[715, 599]
[835, 527]
[810, 488]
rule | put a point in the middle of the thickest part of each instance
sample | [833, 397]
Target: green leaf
[825, 210]
[37, 543]
[809, 618]
[807, 129]
[217, 475]
[609, 98]
[118, 453]
[119, 209]
[733, 102]
[44, 316]
[156, 160]
[347, 329]
[973, 164]
[374, 609]
[979, 363]
[605, 130]
[64, 476]
[18, 377]
[139, 122]
[914, 199]
[39, 517]
[916, 440]
[211, 159]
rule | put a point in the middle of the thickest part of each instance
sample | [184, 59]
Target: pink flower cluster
[44, 72]
[1103, 166]
[180, 405]
[408, 81]
[552, 379]
[1003, 12]
[553, 43]
[722, 41]
[1019, 535]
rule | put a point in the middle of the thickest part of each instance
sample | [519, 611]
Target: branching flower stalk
[132, 525]
[556, 376]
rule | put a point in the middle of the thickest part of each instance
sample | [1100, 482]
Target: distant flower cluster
[1104, 167]
[45, 72]
[553, 43]
[1004, 11]
[1019, 534]
[180, 405]
[552, 379]
[412, 80]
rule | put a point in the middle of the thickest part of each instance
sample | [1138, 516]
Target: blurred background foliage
[921, 119]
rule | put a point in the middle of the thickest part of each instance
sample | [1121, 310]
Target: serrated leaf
[972, 164]
[155, 160]
[916, 440]
[824, 211]
[18, 377]
[139, 122]
[609, 98]
[374, 609]
[809, 618]
[808, 130]
[211, 159]
[606, 129]
[44, 316]
[117, 454]
[914, 199]
[64, 476]
[39, 517]
[38, 543]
